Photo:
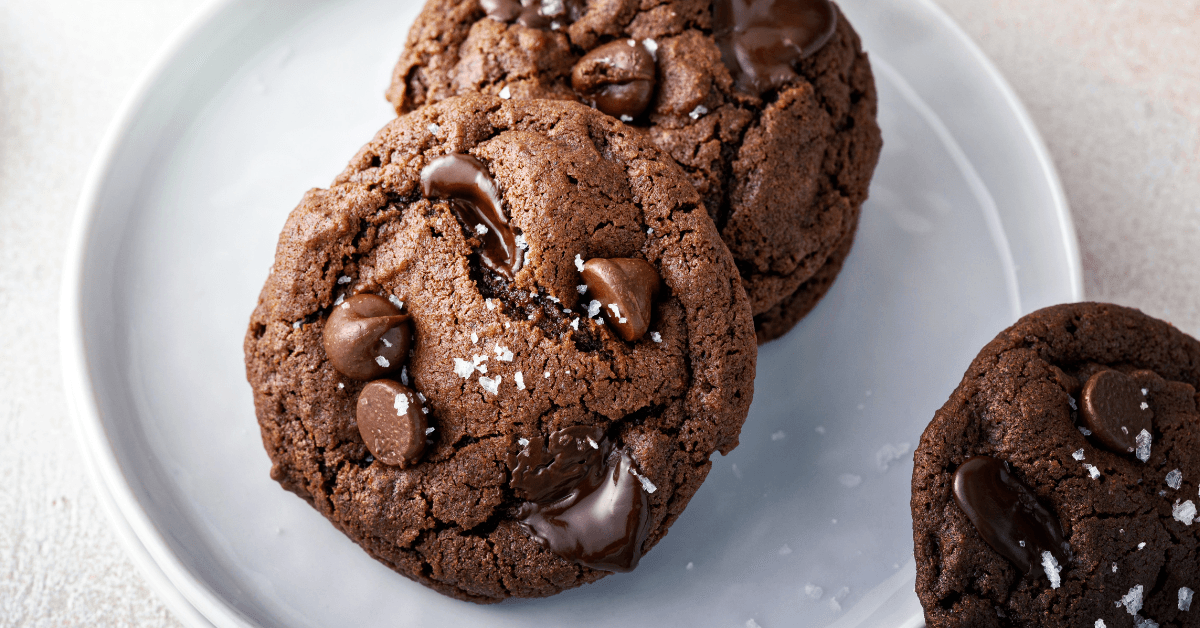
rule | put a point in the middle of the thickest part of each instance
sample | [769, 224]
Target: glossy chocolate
[366, 337]
[617, 78]
[585, 503]
[628, 284]
[392, 421]
[1007, 514]
[1113, 407]
[545, 14]
[475, 198]
[761, 40]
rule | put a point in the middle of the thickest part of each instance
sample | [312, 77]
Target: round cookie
[782, 155]
[533, 399]
[1057, 486]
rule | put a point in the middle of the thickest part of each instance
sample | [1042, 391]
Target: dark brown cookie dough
[783, 175]
[500, 364]
[1123, 500]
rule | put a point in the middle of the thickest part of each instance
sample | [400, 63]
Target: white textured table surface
[1113, 85]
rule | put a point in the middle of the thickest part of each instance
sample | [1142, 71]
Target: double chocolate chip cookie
[498, 352]
[769, 107]
[1058, 485]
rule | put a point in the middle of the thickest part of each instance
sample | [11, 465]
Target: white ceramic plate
[259, 100]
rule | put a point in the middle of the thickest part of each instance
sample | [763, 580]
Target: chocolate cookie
[1057, 486]
[769, 108]
[499, 351]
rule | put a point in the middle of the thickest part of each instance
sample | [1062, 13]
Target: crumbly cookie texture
[499, 362]
[1092, 409]
[783, 173]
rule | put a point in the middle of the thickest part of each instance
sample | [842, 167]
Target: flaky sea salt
[651, 47]
[341, 385]
[344, 279]
[385, 342]
[1078, 455]
[1132, 601]
[1175, 479]
[546, 375]
[593, 308]
[1185, 598]
[1143, 445]
[503, 353]
[429, 430]
[491, 385]
[1143, 622]
[1184, 513]
[1085, 431]
[697, 112]
[382, 361]
[655, 336]
[401, 404]
[478, 362]
[519, 378]
[1145, 406]
[1052, 569]
[1100, 624]
[434, 129]
[524, 442]
[1114, 568]
[474, 337]
[626, 118]
[575, 324]
[578, 262]
[481, 229]
[491, 305]
[581, 289]
[505, 93]
[463, 368]
[1092, 471]
[1142, 545]
[1071, 402]
[396, 301]
[521, 243]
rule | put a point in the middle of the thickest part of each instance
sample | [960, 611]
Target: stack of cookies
[499, 351]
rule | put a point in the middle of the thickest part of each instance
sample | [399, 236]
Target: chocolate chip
[552, 14]
[626, 289]
[392, 422]
[475, 198]
[1115, 410]
[586, 503]
[762, 41]
[618, 78]
[366, 337]
[1007, 514]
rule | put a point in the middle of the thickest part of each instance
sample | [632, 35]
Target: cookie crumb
[1132, 601]
[1078, 455]
[1052, 569]
[1175, 479]
[491, 385]
[777, 436]
[1185, 598]
[519, 378]
[1184, 513]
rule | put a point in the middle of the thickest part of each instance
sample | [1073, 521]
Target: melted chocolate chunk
[625, 289]
[761, 40]
[366, 337]
[1007, 514]
[392, 422]
[551, 14]
[618, 78]
[465, 183]
[585, 503]
[1115, 410]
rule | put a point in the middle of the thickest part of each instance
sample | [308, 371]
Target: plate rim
[189, 600]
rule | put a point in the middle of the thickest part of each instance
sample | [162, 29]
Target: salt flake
[491, 305]
[1184, 513]
[481, 229]
[434, 129]
[651, 47]
[1185, 598]
[1078, 455]
[1132, 601]
[593, 308]
[382, 361]
[1092, 471]
[1175, 479]
[655, 336]
[1143, 445]
[396, 302]
[1141, 545]
[463, 368]
[1100, 624]
[401, 404]
[505, 93]
[1052, 569]
[578, 263]
[491, 385]
[503, 353]
[697, 112]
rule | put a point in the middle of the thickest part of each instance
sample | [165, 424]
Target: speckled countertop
[1113, 85]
